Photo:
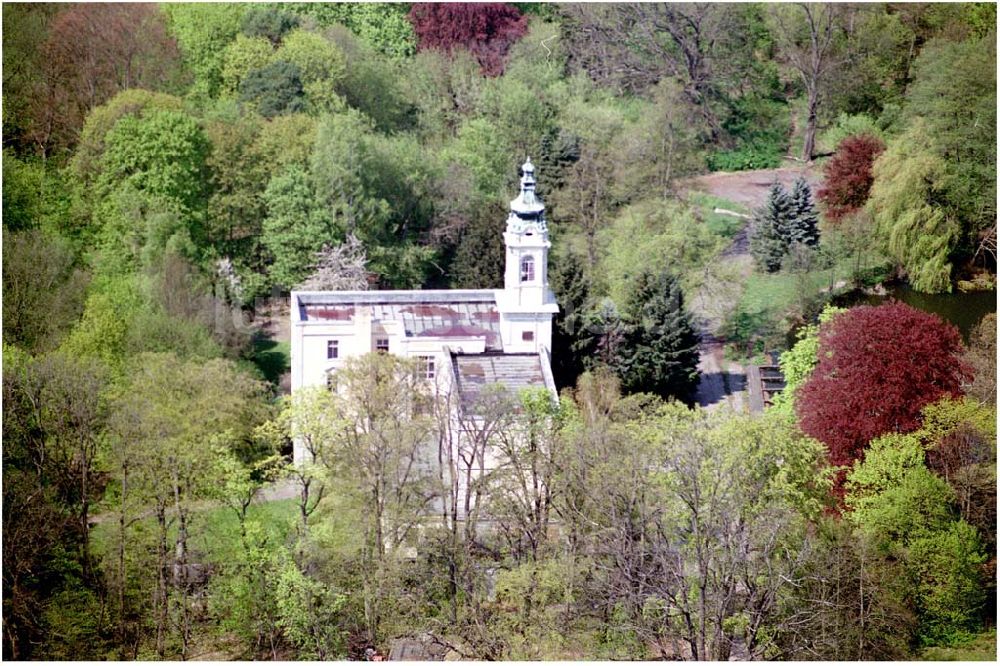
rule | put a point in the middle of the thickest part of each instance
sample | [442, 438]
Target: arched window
[528, 269]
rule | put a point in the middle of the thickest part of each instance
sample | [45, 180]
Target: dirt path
[722, 382]
[749, 187]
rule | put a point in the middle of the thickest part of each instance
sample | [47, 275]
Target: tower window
[332, 349]
[382, 345]
[528, 269]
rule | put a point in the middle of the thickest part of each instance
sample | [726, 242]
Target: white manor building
[467, 339]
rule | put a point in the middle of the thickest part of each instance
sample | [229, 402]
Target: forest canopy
[171, 171]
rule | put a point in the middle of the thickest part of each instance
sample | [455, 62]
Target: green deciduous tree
[163, 417]
[203, 31]
[895, 498]
[242, 56]
[918, 232]
[87, 160]
[42, 287]
[161, 154]
[321, 67]
[382, 25]
[296, 227]
[798, 362]
[671, 235]
[954, 92]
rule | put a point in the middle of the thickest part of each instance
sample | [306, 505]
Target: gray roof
[474, 372]
[441, 314]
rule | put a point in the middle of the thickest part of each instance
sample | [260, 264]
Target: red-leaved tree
[878, 367]
[487, 30]
[848, 175]
[92, 52]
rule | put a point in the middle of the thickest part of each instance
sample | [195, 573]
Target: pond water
[962, 309]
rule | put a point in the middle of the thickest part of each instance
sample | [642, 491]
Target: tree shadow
[271, 357]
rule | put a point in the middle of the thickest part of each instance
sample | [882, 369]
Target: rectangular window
[426, 368]
[382, 345]
[332, 349]
[527, 336]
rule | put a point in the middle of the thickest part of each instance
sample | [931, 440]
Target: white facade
[440, 326]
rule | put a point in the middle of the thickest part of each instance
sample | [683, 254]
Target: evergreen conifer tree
[769, 231]
[603, 338]
[572, 289]
[802, 227]
[661, 344]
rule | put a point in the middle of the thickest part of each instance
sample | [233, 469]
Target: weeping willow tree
[907, 205]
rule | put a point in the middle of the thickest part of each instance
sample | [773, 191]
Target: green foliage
[242, 56]
[161, 154]
[954, 93]
[894, 497]
[482, 150]
[107, 316]
[917, 232]
[661, 146]
[295, 228]
[798, 362]
[760, 127]
[671, 237]
[307, 612]
[321, 67]
[849, 125]
[661, 348]
[86, 161]
[203, 31]
[373, 84]
[43, 290]
[21, 184]
[749, 157]
[947, 568]
[979, 647]
[479, 258]
[268, 22]
[769, 233]
[935, 185]
[382, 25]
[274, 89]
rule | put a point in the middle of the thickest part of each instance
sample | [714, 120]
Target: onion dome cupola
[527, 212]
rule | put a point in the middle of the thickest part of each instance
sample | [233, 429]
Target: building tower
[526, 304]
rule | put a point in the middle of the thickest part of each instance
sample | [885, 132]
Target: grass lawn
[272, 357]
[777, 293]
[982, 647]
[719, 224]
[214, 530]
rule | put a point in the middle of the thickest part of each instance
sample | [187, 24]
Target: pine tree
[572, 290]
[769, 229]
[603, 338]
[661, 344]
[802, 227]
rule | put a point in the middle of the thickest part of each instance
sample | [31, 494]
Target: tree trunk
[809, 144]
[181, 567]
[121, 558]
[161, 584]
